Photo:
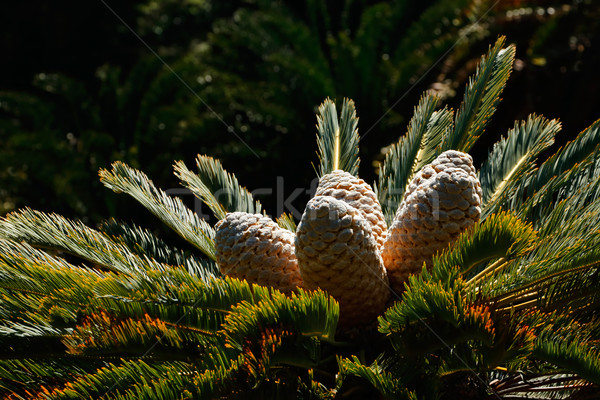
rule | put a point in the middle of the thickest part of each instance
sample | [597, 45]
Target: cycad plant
[505, 309]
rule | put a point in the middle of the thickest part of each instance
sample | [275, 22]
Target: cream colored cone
[338, 253]
[254, 248]
[443, 200]
[359, 194]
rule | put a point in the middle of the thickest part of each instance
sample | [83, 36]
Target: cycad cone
[443, 200]
[253, 247]
[358, 194]
[338, 253]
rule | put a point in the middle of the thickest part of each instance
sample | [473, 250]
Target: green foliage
[381, 380]
[217, 188]
[482, 95]
[512, 158]
[418, 147]
[500, 236]
[286, 221]
[145, 244]
[337, 139]
[118, 313]
[171, 211]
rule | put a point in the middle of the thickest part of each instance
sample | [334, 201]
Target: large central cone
[337, 252]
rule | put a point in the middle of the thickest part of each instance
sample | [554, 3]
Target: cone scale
[254, 248]
[358, 194]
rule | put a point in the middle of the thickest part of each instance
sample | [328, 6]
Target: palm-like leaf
[481, 97]
[145, 244]
[337, 139]
[56, 232]
[171, 211]
[513, 157]
[216, 187]
[418, 147]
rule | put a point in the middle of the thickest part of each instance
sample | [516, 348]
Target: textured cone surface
[254, 248]
[359, 194]
[337, 252]
[443, 200]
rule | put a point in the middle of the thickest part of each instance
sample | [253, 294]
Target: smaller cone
[254, 248]
[442, 201]
[338, 253]
[356, 192]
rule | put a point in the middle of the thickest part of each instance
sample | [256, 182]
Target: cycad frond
[20, 340]
[481, 97]
[145, 244]
[56, 232]
[217, 188]
[584, 146]
[310, 313]
[550, 386]
[23, 378]
[171, 211]
[121, 380]
[384, 382]
[501, 236]
[405, 158]
[574, 168]
[101, 334]
[570, 353]
[286, 221]
[513, 157]
[174, 296]
[564, 279]
[431, 316]
[337, 139]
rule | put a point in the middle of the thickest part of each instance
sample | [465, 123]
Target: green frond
[337, 139]
[32, 271]
[559, 273]
[576, 294]
[584, 146]
[33, 323]
[431, 316]
[384, 382]
[553, 216]
[176, 298]
[548, 386]
[563, 278]
[286, 221]
[171, 211]
[309, 314]
[575, 240]
[58, 233]
[145, 244]
[513, 157]
[482, 95]
[501, 236]
[569, 353]
[217, 188]
[418, 147]
[135, 379]
[23, 378]
[560, 177]
[101, 334]
[571, 191]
